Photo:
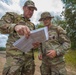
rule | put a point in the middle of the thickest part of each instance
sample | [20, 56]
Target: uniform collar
[25, 18]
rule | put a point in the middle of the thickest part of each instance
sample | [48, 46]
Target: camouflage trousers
[58, 69]
[19, 65]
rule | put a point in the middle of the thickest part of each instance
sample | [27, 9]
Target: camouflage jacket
[8, 28]
[7, 19]
[58, 41]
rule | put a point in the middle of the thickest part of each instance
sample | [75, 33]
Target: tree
[60, 22]
[40, 25]
[2, 48]
[70, 17]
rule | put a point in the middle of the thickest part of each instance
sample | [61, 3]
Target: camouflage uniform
[17, 62]
[7, 19]
[59, 42]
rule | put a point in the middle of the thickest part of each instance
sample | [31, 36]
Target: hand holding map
[25, 44]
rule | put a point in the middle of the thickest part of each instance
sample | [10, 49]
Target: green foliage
[70, 17]
[2, 48]
[70, 58]
[40, 25]
[58, 21]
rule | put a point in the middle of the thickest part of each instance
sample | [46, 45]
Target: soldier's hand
[36, 45]
[51, 53]
[40, 56]
[22, 30]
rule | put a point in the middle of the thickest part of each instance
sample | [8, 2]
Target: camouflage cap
[45, 15]
[30, 4]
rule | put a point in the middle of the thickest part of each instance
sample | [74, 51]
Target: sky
[3, 40]
[55, 7]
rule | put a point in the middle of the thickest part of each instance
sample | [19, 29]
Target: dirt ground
[37, 62]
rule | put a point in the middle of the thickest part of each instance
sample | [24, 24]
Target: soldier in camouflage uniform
[53, 50]
[17, 62]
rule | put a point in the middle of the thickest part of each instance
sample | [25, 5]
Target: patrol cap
[30, 4]
[45, 15]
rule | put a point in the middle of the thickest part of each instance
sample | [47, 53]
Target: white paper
[38, 35]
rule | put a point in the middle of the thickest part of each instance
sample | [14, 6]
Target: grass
[36, 56]
[70, 58]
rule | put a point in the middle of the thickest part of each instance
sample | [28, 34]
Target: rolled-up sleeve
[7, 28]
[11, 27]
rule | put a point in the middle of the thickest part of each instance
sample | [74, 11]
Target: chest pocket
[53, 35]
